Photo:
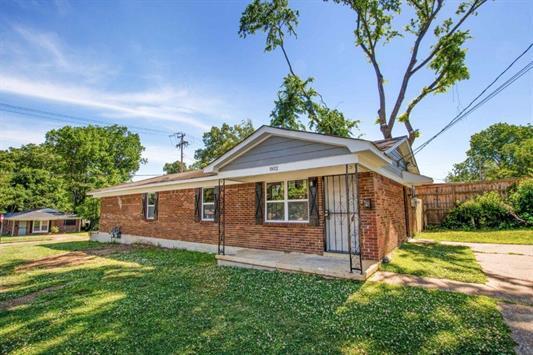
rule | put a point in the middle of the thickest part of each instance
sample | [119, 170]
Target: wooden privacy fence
[439, 199]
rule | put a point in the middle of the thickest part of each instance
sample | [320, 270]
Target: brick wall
[176, 221]
[383, 226]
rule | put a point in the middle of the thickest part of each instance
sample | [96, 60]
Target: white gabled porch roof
[265, 132]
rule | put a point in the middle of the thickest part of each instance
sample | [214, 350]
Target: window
[208, 204]
[150, 205]
[287, 201]
[40, 226]
[69, 222]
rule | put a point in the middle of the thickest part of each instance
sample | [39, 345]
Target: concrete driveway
[509, 269]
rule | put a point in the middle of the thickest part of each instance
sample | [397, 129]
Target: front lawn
[453, 262]
[149, 300]
[516, 236]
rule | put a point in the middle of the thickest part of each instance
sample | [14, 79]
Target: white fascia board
[210, 181]
[293, 166]
[416, 179]
[396, 145]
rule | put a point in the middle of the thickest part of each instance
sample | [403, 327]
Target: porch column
[12, 228]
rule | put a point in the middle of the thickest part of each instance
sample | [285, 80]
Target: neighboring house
[39, 221]
[280, 190]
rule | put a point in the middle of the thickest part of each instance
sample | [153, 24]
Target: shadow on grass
[453, 262]
[151, 300]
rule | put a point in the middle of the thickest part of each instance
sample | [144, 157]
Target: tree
[500, 151]
[219, 140]
[374, 27]
[174, 167]
[93, 157]
[28, 180]
[295, 97]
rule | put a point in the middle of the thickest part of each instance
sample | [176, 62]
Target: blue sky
[181, 66]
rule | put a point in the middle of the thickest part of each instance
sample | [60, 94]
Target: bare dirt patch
[10, 304]
[73, 258]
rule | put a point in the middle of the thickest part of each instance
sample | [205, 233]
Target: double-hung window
[287, 201]
[40, 226]
[208, 204]
[150, 205]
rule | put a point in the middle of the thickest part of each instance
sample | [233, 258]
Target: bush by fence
[492, 210]
[439, 199]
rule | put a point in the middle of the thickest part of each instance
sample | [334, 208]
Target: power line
[464, 114]
[53, 116]
[467, 110]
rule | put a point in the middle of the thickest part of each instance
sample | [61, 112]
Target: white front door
[23, 228]
[341, 213]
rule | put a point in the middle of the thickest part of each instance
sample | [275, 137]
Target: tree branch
[408, 71]
[475, 5]
[371, 54]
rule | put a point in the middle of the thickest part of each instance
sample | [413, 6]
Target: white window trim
[148, 205]
[41, 225]
[285, 202]
[207, 203]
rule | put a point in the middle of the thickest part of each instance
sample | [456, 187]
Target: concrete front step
[326, 266]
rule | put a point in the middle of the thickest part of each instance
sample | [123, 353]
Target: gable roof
[44, 214]
[264, 132]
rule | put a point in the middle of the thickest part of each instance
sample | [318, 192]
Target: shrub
[54, 229]
[522, 200]
[485, 211]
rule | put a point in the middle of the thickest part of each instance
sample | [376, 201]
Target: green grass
[453, 262]
[39, 238]
[153, 300]
[516, 236]
[26, 238]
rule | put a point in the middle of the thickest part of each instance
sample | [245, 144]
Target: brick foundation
[383, 225]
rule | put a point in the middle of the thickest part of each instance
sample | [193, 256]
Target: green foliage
[72, 161]
[54, 230]
[297, 98]
[274, 18]
[219, 140]
[175, 167]
[522, 200]
[500, 151]
[485, 211]
[30, 179]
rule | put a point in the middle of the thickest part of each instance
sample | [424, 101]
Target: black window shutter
[259, 202]
[197, 204]
[217, 203]
[156, 207]
[314, 219]
[143, 201]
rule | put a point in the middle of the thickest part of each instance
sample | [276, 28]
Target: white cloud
[115, 105]
[39, 65]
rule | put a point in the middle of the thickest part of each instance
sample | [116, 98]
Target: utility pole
[182, 143]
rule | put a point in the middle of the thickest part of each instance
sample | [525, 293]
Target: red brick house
[279, 190]
[39, 221]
